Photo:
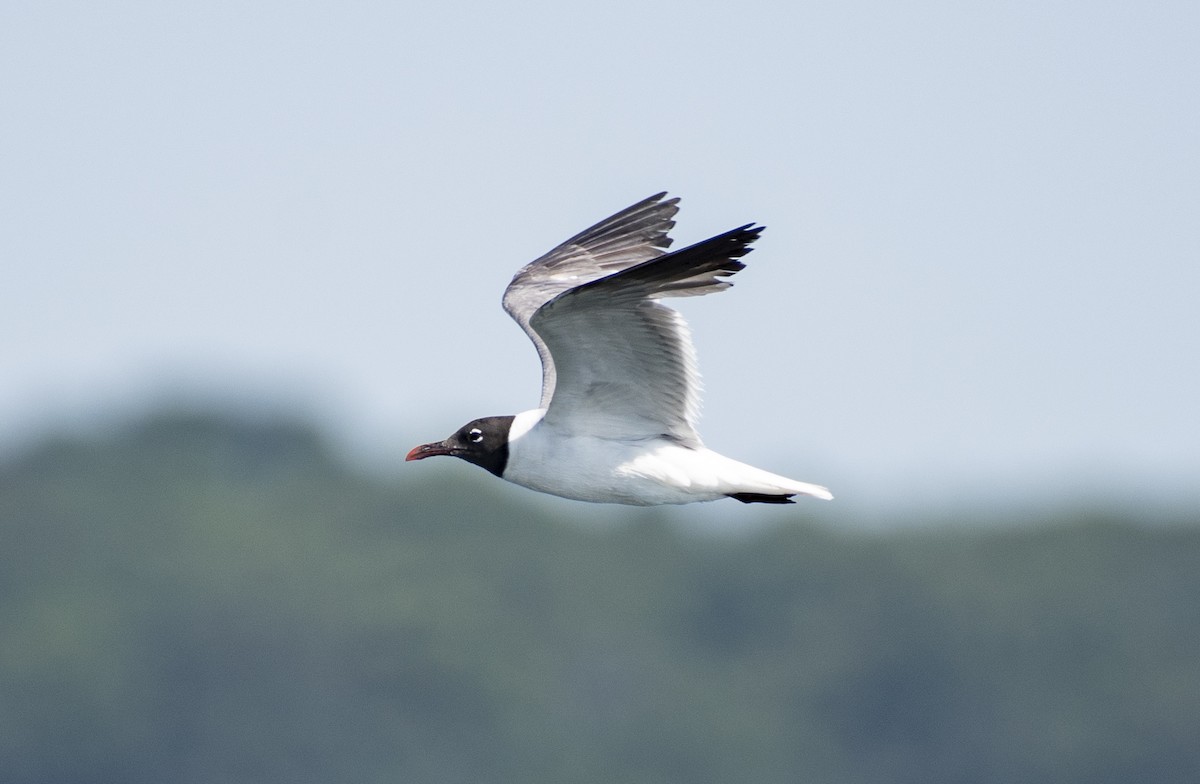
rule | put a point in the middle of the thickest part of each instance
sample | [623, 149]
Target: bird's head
[483, 442]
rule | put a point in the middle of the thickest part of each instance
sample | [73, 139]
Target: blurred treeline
[210, 599]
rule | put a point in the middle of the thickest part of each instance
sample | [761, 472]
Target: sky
[980, 276]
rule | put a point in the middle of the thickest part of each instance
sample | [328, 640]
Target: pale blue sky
[981, 272]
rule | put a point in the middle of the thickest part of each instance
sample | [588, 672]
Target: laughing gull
[620, 389]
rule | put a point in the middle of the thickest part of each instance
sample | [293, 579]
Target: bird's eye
[475, 435]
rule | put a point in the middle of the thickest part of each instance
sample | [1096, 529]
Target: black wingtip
[733, 245]
[761, 498]
[742, 236]
[659, 197]
[683, 270]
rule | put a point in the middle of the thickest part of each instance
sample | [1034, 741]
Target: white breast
[647, 472]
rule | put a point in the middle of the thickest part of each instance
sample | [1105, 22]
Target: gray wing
[625, 363]
[632, 236]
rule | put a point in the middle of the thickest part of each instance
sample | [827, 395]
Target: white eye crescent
[475, 435]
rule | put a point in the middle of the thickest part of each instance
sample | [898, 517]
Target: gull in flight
[620, 388]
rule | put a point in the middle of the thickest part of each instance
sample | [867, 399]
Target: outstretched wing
[625, 363]
[632, 236]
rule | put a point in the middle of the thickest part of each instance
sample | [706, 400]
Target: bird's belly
[604, 471]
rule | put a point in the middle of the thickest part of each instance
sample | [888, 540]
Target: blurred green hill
[207, 598]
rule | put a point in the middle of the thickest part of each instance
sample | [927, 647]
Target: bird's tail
[752, 485]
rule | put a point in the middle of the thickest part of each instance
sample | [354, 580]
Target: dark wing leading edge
[624, 362]
[632, 236]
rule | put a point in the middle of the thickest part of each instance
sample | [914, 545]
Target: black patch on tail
[762, 498]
